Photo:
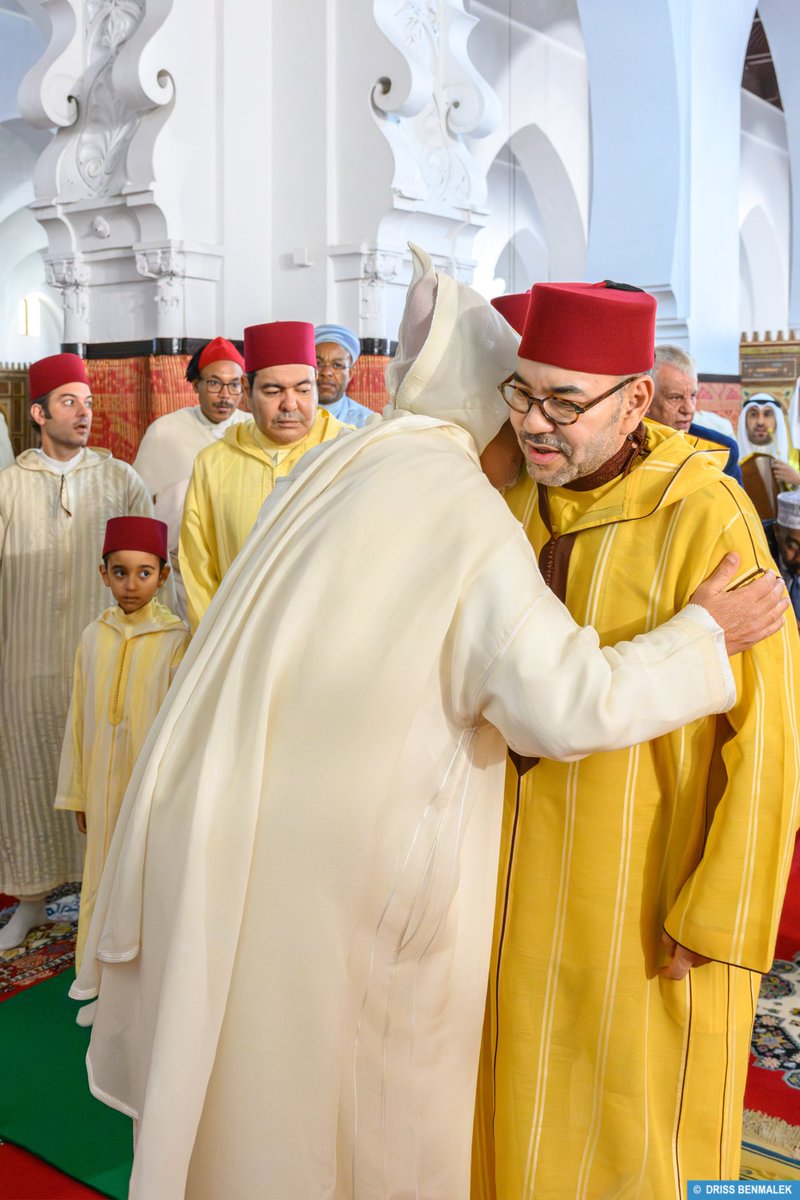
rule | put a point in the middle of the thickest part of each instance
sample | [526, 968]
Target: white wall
[269, 176]
[764, 217]
[22, 239]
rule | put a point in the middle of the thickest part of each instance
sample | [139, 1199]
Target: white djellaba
[293, 931]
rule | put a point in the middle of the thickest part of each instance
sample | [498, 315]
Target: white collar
[59, 467]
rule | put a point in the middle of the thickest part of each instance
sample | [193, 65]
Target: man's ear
[638, 398]
[501, 461]
[38, 415]
[104, 574]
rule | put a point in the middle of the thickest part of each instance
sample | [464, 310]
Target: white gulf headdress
[779, 448]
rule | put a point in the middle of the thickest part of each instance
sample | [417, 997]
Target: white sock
[85, 1015]
[29, 914]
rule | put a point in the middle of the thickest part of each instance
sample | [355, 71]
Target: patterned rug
[771, 1143]
[46, 950]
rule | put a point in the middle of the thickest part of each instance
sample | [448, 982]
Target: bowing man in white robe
[292, 935]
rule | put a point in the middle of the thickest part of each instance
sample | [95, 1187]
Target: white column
[665, 85]
[781, 22]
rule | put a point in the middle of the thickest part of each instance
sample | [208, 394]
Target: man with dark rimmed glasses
[639, 890]
[171, 444]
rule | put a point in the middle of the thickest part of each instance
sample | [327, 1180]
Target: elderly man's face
[556, 454]
[761, 423]
[789, 546]
[674, 398]
[284, 401]
[334, 372]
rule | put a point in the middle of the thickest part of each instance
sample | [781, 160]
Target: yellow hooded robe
[600, 1078]
[230, 481]
[123, 668]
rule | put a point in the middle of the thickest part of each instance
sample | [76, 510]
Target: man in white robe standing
[54, 504]
[292, 935]
[170, 445]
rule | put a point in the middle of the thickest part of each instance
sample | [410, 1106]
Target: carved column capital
[167, 266]
[71, 276]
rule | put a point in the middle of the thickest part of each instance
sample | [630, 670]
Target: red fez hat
[136, 533]
[220, 350]
[514, 308]
[600, 328]
[53, 372]
[277, 343]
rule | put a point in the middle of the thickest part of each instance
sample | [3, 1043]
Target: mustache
[550, 440]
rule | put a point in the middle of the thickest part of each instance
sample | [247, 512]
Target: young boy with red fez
[123, 668]
[639, 890]
[231, 479]
[54, 504]
[171, 444]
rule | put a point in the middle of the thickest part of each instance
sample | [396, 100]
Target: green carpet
[45, 1103]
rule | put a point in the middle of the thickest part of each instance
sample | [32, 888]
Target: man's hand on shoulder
[749, 611]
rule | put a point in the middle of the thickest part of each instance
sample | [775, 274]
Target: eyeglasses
[216, 386]
[555, 408]
[338, 367]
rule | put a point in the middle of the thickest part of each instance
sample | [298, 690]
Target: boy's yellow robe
[599, 1078]
[123, 668]
[230, 481]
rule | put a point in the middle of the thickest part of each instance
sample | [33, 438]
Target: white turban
[342, 336]
[789, 509]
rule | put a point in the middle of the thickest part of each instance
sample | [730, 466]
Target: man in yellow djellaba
[639, 890]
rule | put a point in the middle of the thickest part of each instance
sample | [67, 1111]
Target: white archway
[781, 22]
[535, 221]
[764, 283]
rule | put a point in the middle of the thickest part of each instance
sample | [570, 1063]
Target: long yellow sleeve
[70, 791]
[197, 551]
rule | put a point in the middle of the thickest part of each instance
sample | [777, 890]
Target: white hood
[453, 351]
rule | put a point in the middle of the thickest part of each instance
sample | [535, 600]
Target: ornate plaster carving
[71, 276]
[378, 269]
[167, 267]
[101, 228]
[46, 95]
[106, 125]
[96, 82]
[426, 116]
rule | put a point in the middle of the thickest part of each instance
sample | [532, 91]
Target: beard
[581, 459]
[563, 473]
